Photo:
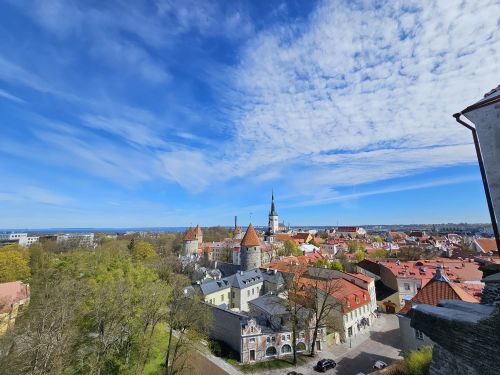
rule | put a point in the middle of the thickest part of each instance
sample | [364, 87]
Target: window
[283, 337]
[407, 286]
[357, 299]
[350, 315]
[248, 293]
[253, 291]
[268, 339]
[301, 335]
[288, 337]
[252, 339]
[233, 295]
[273, 339]
[222, 297]
[419, 335]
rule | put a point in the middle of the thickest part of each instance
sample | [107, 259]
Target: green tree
[336, 265]
[14, 263]
[291, 248]
[380, 253]
[377, 239]
[143, 250]
[359, 255]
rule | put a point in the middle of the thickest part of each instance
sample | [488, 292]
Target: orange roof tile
[250, 238]
[487, 244]
[190, 235]
[435, 291]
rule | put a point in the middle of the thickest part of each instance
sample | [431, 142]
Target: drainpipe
[483, 176]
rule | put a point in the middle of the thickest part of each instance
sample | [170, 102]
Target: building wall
[189, 247]
[242, 296]
[407, 288]
[8, 319]
[219, 297]
[411, 339]
[250, 257]
[226, 326]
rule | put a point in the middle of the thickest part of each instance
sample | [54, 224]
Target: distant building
[273, 223]
[80, 239]
[350, 231]
[192, 241]
[20, 238]
[13, 296]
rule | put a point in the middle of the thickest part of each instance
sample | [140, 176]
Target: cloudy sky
[171, 113]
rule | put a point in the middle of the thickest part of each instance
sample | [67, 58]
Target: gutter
[483, 172]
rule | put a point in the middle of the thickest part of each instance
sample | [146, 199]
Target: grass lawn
[157, 355]
[272, 364]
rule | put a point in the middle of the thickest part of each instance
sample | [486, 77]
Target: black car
[294, 373]
[325, 364]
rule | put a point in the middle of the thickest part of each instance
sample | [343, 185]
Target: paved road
[381, 343]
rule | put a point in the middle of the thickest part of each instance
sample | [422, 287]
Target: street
[381, 343]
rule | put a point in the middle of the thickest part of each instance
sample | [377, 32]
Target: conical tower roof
[250, 238]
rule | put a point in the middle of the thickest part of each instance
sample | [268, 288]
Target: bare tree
[188, 320]
[294, 303]
[320, 287]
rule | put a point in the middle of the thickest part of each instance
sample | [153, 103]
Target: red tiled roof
[487, 244]
[360, 276]
[190, 235]
[283, 237]
[11, 293]
[435, 291]
[456, 270]
[198, 232]
[348, 294]
[250, 238]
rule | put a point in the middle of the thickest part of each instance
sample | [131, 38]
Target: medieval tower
[250, 250]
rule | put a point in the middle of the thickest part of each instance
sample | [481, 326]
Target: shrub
[415, 363]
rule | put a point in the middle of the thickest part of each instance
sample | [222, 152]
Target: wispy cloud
[34, 194]
[6, 95]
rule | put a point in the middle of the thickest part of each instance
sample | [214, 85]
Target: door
[318, 345]
[252, 355]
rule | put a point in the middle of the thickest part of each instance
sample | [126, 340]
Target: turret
[250, 250]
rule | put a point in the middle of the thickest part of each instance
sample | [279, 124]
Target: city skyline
[157, 116]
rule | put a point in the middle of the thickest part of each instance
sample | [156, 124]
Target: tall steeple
[273, 209]
[273, 226]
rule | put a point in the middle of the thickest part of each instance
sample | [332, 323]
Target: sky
[173, 113]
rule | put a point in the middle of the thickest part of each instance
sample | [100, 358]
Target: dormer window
[348, 304]
[357, 299]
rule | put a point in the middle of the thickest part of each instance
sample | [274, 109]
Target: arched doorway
[271, 351]
[285, 349]
[301, 347]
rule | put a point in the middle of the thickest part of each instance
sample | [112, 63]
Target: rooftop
[250, 238]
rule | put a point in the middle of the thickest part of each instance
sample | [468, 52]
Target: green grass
[272, 364]
[157, 356]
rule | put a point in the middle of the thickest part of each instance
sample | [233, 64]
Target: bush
[415, 363]
[419, 361]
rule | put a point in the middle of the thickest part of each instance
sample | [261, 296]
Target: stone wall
[491, 291]
[466, 333]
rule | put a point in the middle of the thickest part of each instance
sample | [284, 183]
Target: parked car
[294, 373]
[325, 364]
[379, 365]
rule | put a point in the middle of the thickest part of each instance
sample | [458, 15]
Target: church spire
[273, 209]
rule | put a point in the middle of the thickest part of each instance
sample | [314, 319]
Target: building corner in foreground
[467, 335]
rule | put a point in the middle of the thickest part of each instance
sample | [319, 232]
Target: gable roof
[190, 235]
[250, 238]
[435, 291]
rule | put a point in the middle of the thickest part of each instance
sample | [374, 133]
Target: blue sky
[171, 113]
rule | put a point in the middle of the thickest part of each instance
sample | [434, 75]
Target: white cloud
[360, 95]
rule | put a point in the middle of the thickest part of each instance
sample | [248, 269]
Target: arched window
[301, 347]
[271, 351]
[286, 349]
